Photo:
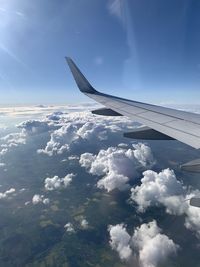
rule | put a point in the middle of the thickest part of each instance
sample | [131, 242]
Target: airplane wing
[165, 123]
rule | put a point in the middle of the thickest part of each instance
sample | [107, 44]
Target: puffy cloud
[83, 126]
[39, 199]
[120, 240]
[164, 189]
[7, 193]
[46, 201]
[28, 128]
[151, 245]
[192, 220]
[55, 116]
[117, 164]
[69, 227]
[112, 181]
[143, 154]
[12, 140]
[32, 127]
[157, 188]
[60, 140]
[67, 130]
[147, 244]
[84, 224]
[58, 183]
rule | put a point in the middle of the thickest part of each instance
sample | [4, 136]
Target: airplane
[162, 123]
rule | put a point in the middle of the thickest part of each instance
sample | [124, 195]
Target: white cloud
[120, 241]
[28, 128]
[69, 227]
[163, 189]
[58, 183]
[116, 8]
[147, 244]
[83, 126]
[12, 140]
[7, 193]
[60, 140]
[46, 201]
[117, 164]
[64, 128]
[151, 245]
[73, 157]
[32, 127]
[39, 199]
[84, 224]
[143, 154]
[156, 188]
[112, 181]
[42, 110]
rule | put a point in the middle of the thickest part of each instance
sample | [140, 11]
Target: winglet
[81, 81]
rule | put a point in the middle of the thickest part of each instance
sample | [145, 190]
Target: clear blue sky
[144, 50]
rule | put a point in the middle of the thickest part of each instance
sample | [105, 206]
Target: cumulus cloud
[83, 126]
[27, 128]
[60, 140]
[151, 245]
[163, 189]
[84, 224]
[7, 193]
[69, 227]
[12, 140]
[39, 199]
[156, 188]
[32, 127]
[147, 244]
[112, 181]
[67, 130]
[117, 165]
[58, 183]
[120, 241]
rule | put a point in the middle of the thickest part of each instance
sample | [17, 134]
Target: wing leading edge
[181, 125]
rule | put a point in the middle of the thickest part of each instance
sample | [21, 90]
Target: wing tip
[82, 83]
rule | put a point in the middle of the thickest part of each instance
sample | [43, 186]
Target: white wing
[180, 125]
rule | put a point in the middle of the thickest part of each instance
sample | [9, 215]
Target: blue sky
[144, 50]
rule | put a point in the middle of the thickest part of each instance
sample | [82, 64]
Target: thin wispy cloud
[121, 10]
[117, 8]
